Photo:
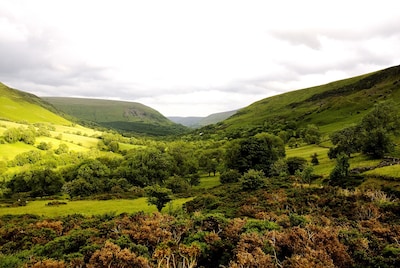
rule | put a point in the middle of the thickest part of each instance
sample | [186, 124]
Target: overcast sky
[192, 58]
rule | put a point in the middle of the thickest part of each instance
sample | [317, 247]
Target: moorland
[309, 178]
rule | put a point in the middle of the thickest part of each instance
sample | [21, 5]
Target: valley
[309, 178]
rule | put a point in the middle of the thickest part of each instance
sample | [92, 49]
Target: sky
[192, 58]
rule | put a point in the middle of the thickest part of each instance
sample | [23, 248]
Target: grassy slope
[82, 142]
[120, 115]
[19, 106]
[331, 106]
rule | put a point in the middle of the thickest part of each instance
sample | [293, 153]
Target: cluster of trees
[371, 137]
[26, 135]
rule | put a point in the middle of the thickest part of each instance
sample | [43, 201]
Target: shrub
[230, 176]
[253, 180]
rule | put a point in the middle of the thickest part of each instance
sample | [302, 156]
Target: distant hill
[19, 106]
[120, 115]
[196, 122]
[331, 106]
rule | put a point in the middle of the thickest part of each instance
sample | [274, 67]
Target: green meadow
[89, 207]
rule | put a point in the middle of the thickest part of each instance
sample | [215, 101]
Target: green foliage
[340, 173]
[259, 226]
[253, 180]
[314, 159]
[177, 184]
[295, 163]
[371, 136]
[377, 143]
[348, 141]
[258, 152]
[146, 166]
[44, 146]
[311, 134]
[36, 182]
[158, 196]
[230, 176]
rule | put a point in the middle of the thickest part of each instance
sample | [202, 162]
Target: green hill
[119, 115]
[196, 122]
[331, 107]
[18, 106]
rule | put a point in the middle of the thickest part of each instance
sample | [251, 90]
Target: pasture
[89, 207]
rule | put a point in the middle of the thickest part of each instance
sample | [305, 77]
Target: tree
[258, 152]
[311, 135]
[347, 140]
[146, 167]
[377, 143]
[377, 127]
[210, 160]
[295, 163]
[183, 158]
[158, 196]
[314, 159]
[177, 184]
[340, 172]
[253, 180]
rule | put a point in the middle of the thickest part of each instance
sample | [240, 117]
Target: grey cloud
[299, 37]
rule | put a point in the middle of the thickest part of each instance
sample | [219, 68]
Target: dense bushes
[330, 228]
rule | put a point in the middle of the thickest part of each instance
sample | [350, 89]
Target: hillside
[18, 106]
[331, 106]
[119, 115]
[196, 122]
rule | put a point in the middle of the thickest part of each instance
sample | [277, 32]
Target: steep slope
[331, 107]
[20, 106]
[120, 115]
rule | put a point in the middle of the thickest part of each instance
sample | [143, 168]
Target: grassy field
[207, 182]
[325, 164]
[89, 207]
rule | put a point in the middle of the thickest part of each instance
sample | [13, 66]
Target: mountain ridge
[329, 106]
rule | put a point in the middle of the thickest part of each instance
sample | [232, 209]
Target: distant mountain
[120, 115]
[197, 122]
[331, 106]
[19, 106]
[190, 121]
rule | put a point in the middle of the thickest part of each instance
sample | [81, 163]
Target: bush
[253, 180]
[230, 176]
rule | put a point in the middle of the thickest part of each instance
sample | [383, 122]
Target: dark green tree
[146, 167]
[340, 172]
[377, 143]
[314, 159]
[158, 196]
[258, 152]
[295, 163]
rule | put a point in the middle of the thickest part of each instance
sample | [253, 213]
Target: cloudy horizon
[191, 58]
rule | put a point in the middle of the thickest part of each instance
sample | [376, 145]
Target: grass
[207, 182]
[331, 106]
[390, 171]
[20, 109]
[89, 207]
[9, 151]
[325, 165]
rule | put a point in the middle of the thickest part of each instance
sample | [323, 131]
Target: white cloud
[191, 57]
